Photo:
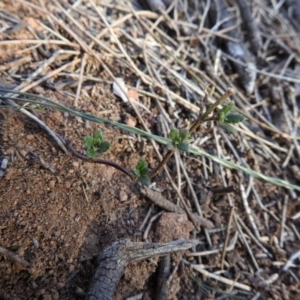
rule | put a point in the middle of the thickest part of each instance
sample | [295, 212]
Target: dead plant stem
[227, 236]
[161, 164]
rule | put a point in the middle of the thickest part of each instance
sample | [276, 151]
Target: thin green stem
[204, 117]
[201, 119]
[225, 96]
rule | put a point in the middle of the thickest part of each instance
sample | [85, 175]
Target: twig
[250, 25]
[82, 66]
[161, 164]
[146, 217]
[219, 278]
[257, 242]
[243, 238]
[214, 251]
[248, 211]
[154, 218]
[162, 289]
[227, 237]
[283, 220]
[236, 49]
[159, 200]
[196, 202]
[14, 257]
[225, 190]
[290, 261]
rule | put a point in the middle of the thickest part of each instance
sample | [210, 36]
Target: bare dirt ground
[57, 212]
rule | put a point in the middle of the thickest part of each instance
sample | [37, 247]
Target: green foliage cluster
[95, 145]
[141, 172]
[178, 139]
[225, 118]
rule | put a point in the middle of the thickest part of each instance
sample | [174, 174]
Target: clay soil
[58, 212]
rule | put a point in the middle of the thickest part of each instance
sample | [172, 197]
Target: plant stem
[203, 117]
[99, 161]
[226, 95]
[161, 164]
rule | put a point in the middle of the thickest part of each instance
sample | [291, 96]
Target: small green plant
[178, 139]
[225, 118]
[95, 145]
[141, 172]
[66, 145]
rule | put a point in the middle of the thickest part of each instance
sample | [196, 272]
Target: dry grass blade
[221, 278]
[227, 237]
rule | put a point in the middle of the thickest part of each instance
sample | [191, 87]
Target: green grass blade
[192, 149]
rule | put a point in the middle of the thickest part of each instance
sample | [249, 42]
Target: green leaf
[91, 153]
[183, 146]
[145, 180]
[229, 128]
[234, 118]
[142, 164]
[88, 141]
[221, 117]
[170, 146]
[224, 112]
[104, 147]
[184, 135]
[96, 146]
[136, 173]
[227, 108]
[144, 171]
[174, 135]
[98, 136]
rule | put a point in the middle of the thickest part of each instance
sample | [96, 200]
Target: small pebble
[71, 268]
[52, 184]
[68, 184]
[29, 137]
[131, 122]
[33, 284]
[60, 285]
[23, 153]
[47, 297]
[55, 295]
[123, 196]
[75, 164]
[9, 174]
